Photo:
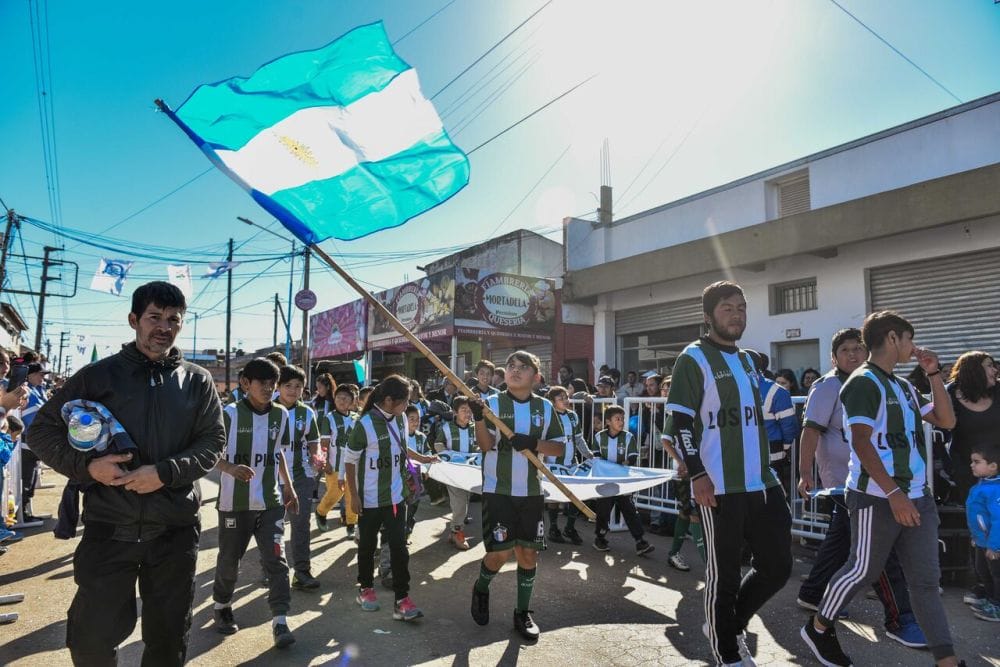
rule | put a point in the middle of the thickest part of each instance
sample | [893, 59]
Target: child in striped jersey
[250, 503]
[302, 446]
[576, 450]
[416, 441]
[340, 421]
[375, 465]
[617, 445]
[458, 436]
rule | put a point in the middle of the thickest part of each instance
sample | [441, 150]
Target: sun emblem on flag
[298, 150]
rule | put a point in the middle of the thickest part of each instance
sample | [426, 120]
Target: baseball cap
[36, 368]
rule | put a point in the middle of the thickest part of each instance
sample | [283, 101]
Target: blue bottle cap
[86, 419]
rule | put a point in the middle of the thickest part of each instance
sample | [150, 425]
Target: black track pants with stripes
[760, 520]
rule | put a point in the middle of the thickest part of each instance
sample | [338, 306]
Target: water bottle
[84, 429]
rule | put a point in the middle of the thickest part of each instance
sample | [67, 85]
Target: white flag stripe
[180, 275]
[323, 142]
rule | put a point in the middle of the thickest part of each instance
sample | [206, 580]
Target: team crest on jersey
[500, 533]
[273, 431]
[537, 419]
[300, 424]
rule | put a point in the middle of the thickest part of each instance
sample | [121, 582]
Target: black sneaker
[824, 645]
[225, 624]
[642, 547]
[573, 536]
[350, 532]
[525, 625]
[305, 582]
[480, 606]
[601, 543]
[556, 535]
[321, 522]
[283, 637]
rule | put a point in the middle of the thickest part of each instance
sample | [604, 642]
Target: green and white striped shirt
[322, 408]
[621, 449]
[340, 426]
[417, 441]
[252, 440]
[377, 448]
[894, 410]
[505, 470]
[454, 438]
[718, 388]
[571, 435]
[303, 430]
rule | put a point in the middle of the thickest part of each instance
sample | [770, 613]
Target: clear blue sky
[750, 85]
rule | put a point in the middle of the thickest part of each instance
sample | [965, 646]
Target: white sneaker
[746, 659]
[677, 562]
[806, 605]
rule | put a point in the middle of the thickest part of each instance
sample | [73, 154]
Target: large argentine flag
[333, 142]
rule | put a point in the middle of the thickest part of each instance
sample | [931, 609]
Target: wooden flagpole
[440, 365]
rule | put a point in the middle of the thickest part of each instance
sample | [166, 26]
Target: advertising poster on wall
[504, 304]
[338, 331]
[425, 307]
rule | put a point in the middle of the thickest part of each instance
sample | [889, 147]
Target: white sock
[221, 605]
[278, 620]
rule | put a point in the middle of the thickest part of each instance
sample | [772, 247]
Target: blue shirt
[982, 511]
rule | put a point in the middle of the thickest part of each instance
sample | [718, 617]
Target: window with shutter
[793, 196]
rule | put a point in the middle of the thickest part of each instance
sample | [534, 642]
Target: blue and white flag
[179, 275]
[337, 142]
[111, 275]
[216, 269]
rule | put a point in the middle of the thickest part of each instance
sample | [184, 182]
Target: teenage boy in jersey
[484, 373]
[887, 496]
[302, 446]
[458, 435]
[513, 504]
[823, 441]
[617, 445]
[250, 502]
[719, 421]
[576, 449]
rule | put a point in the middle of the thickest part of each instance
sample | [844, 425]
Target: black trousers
[392, 521]
[103, 612]
[762, 521]
[626, 506]
[833, 552]
[29, 475]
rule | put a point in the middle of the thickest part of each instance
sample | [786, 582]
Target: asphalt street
[593, 608]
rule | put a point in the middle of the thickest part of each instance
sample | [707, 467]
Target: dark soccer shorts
[513, 520]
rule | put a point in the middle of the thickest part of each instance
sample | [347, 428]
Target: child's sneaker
[352, 533]
[283, 637]
[367, 600]
[10, 536]
[304, 582]
[458, 539]
[642, 547]
[556, 535]
[321, 522]
[988, 612]
[225, 623]
[677, 562]
[824, 645]
[601, 543]
[405, 610]
[973, 598]
[573, 536]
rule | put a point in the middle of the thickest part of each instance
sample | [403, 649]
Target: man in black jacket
[140, 512]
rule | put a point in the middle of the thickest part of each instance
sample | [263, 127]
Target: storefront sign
[504, 304]
[338, 331]
[424, 307]
[305, 299]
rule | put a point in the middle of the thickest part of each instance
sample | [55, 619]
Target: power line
[530, 190]
[471, 117]
[421, 24]
[898, 52]
[491, 49]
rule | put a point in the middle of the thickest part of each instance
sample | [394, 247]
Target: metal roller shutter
[658, 316]
[952, 302]
[542, 351]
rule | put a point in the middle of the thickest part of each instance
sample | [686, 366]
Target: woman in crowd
[786, 378]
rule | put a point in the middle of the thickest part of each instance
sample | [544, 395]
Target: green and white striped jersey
[417, 441]
[322, 408]
[340, 426]
[718, 389]
[894, 410]
[377, 448]
[454, 438]
[505, 470]
[572, 435]
[621, 449]
[303, 430]
[252, 440]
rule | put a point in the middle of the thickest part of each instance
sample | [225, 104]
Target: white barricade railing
[647, 414]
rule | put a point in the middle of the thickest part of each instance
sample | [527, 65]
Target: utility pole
[288, 320]
[48, 349]
[41, 299]
[11, 221]
[63, 344]
[229, 311]
[275, 343]
[194, 343]
[305, 325]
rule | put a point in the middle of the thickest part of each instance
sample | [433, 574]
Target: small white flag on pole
[111, 275]
[216, 269]
[180, 275]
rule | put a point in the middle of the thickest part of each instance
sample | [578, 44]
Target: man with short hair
[716, 406]
[888, 499]
[141, 523]
[631, 386]
[823, 442]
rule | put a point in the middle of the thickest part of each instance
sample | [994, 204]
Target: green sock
[699, 540]
[525, 584]
[485, 577]
[680, 530]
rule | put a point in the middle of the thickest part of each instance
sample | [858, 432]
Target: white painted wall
[966, 140]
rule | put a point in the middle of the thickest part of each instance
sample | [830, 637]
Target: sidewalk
[593, 608]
